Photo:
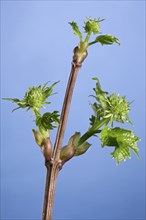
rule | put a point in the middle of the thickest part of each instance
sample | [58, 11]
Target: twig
[54, 168]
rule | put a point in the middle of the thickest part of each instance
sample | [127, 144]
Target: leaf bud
[80, 55]
[47, 149]
[67, 153]
[81, 149]
[38, 137]
[92, 25]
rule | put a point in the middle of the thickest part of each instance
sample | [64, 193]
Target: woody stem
[54, 168]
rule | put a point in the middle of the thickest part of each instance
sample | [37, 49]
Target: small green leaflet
[123, 140]
[48, 121]
[76, 29]
[106, 39]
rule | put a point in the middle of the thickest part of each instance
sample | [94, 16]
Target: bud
[80, 54]
[67, 153]
[81, 149]
[34, 97]
[92, 25]
[38, 137]
[47, 149]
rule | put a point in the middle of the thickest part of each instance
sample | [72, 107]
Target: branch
[76, 64]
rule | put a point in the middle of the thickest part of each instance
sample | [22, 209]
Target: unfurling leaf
[73, 148]
[34, 98]
[79, 149]
[40, 137]
[48, 121]
[76, 29]
[67, 152]
[106, 39]
[111, 107]
[123, 140]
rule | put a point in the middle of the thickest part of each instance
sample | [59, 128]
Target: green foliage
[79, 148]
[105, 40]
[34, 98]
[107, 109]
[123, 140]
[76, 29]
[48, 121]
[73, 148]
[40, 137]
[112, 107]
[92, 26]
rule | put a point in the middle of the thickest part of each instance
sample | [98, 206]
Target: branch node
[49, 163]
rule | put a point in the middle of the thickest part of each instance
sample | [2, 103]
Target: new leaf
[105, 40]
[76, 29]
[123, 140]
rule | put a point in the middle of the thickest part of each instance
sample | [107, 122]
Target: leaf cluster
[48, 121]
[112, 107]
[35, 99]
[107, 109]
[92, 26]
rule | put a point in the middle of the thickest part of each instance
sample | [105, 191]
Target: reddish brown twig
[55, 165]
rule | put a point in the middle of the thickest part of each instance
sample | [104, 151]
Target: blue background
[36, 46]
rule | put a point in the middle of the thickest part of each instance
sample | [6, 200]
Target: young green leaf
[106, 39]
[74, 146]
[91, 26]
[20, 103]
[48, 121]
[111, 107]
[81, 149]
[34, 98]
[76, 29]
[123, 140]
[40, 137]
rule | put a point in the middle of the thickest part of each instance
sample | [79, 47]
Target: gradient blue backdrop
[36, 46]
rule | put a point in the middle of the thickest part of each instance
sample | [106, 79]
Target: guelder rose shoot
[107, 109]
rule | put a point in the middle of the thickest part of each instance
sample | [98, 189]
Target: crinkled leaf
[76, 29]
[123, 140]
[120, 153]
